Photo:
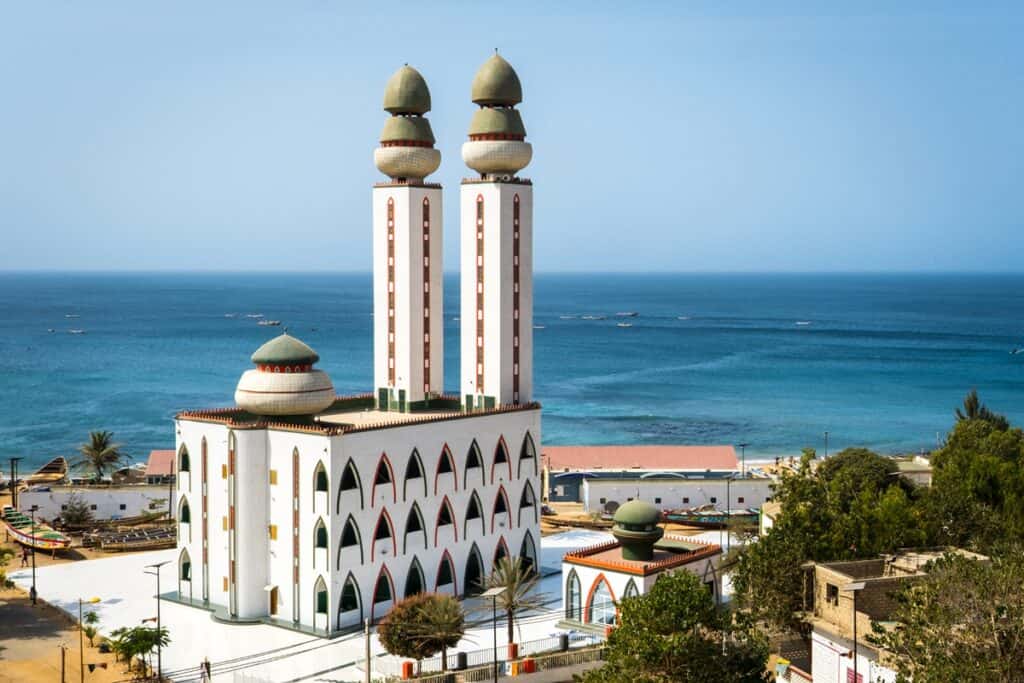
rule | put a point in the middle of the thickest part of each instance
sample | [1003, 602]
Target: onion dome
[496, 83]
[407, 93]
[636, 528]
[284, 381]
[488, 121]
[406, 152]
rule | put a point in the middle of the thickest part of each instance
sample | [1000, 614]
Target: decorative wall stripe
[232, 536]
[295, 534]
[391, 292]
[206, 530]
[479, 294]
[515, 299]
[426, 295]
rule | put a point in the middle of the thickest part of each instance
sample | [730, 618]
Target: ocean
[773, 361]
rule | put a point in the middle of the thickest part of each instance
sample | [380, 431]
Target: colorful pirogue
[40, 536]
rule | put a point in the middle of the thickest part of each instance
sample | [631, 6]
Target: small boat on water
[253, 315]
[76, 331]
[72, 315]
[624, 325]
[538, 327]
[1014, 352]
[269, 323]
[710, 517]
[803, 323]
[38, 537]
[52, 472]
[682, 317]
[566, 317]
[595, 317]
[626, 314]
[230, 315]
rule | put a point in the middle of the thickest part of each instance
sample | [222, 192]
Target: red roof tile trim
[613, 458]
[160, 463]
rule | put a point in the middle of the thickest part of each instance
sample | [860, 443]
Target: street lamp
[493, 594]
[159, 649]
[743, 456]
[32, 593]
[81, 638]
[854, 588]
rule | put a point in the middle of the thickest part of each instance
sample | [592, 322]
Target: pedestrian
[204, 673]
[24, 556]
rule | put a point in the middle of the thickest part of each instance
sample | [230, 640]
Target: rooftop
[161, 463]
[678, 458]
[669, 552]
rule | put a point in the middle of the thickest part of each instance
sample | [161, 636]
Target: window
[686, 500]
[714, 500]
[63, 507]
[184, 465]
[603, 501]
[349, 478]
[445, 575]
[321, 535]
[273, 477]
[740, 499]
[445, 465]
[186, 571]
[657, 501]
[320, 478]
[414, 581]
[444, 516]
[473, 457]
[382, 592]
[273, 532]
[499, 504]
[123, 506]
[321, 602]
[527, 452]
[383, 475]
[92, 507]
[413, 523]
[573, 599]
[383, 530]
[601, 609]
[349, 597]
[185, 515]
[831, 594]
[473, 511]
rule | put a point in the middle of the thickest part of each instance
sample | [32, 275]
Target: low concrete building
[671, 491]
[106, 501]
[916, 469]
[770, 511]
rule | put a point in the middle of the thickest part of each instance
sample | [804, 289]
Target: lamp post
[493, 594]
[159, 649]
[854, 588]
[743, 457]
[14, 482]
[32, 593]
[81, 639]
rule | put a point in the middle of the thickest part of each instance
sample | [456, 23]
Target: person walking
[24, 556]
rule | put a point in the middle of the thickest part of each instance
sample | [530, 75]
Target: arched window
[414, 525]
[527, 501]
[185, 517]
[350, 538]
[501, 459]
[445, 522]
[528, 552]
[383, 593]
[319, 539]
[573, 597]
[384, 476]
[320, 600]
[528, 452]
[500, 552]
[414, 582]
[321, 487]
[446, 575]
[474, 465]
[350, 482]
[185, 566]
[350, 607]
[631, 591]
[601, 603]
[473, 578]
[474, 510]
[499, 514]
[445, 466]
[384, 531]
[414, 471]
[184, 465]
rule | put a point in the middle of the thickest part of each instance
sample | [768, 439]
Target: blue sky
[673, 137]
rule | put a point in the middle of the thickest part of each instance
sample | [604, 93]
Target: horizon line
[233, 271]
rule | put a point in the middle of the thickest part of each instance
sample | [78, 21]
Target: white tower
[497, 246]
[408, 322]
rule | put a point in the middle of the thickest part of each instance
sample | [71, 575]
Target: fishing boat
[76, 331]
[52, 472]
[709, 517]
[624, 325]
[38, 537]
[627, 314]
[269, 323]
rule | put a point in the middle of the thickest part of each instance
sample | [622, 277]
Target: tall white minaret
[497, 246]
[408, 318]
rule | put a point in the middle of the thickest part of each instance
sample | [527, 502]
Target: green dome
[489, 120]
[414, 128]
[407, 92]
[284, 350]
[496, 83]
[637, 513]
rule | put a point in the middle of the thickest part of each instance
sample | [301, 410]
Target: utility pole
[33, 593]
[366, 623]
[159, 648]
[62, 651]
[14, 482]
[743, 456]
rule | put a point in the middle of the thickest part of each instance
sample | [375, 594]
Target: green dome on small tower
[496, 83]
[285, 350]
[407, 93]
[636, 528]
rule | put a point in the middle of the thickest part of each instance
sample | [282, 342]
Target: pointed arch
[321, 485]
[473, 576]
[528, 451]
[185, 571]
[601, 602]
[185, 517]
[474, 510]
[631, 590]
[445, 517]
[501, 507]
[501, 458]
[350, 604]
[446, 465]
[320, 602]
[382, 476]
[446, 575]
[414, 470]
[528, 500]
[500, 552]
[528, 552]
[383, 531]
[474, 461]
[383, 593]
[414, 581]
[350, 536]
[414, 523]
[184, 463]
[350, 481]
[573, 597]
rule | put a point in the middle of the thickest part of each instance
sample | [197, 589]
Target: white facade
[277, 540]
[408, 315]
[105, 502]
[832, 660]
[497, 292]
[671, 493]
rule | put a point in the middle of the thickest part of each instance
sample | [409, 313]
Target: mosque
[314, 511]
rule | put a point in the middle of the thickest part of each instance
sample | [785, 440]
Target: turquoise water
[882, 361]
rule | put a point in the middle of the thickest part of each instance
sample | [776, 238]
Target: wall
[832, 661]
[136, 499]
[673, 492]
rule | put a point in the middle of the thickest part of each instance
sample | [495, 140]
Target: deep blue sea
[770, 360]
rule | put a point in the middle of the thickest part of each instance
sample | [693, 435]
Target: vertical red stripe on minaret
[295, 534]
[479, 294]
[515, 299]
[391, 291]
[426, 295]
[206, 533]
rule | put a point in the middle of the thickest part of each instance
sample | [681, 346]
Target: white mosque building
[313, 511]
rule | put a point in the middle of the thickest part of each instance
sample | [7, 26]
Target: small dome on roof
[496, 83]
[283, 350]
[637, 513]
[407, 92]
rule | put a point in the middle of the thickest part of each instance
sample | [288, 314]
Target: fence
[543, 663]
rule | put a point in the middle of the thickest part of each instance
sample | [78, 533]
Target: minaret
[497, 246]
[408, 322]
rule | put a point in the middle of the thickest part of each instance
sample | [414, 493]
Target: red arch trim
[385, 572]
[590, 594]
[494, 458]
[501, 544]
[451, 461]
[373, 490]
[384, 516]
[451, 566]
[437, 521]
[508, 510]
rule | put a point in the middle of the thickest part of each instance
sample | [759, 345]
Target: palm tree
[520, 583]
[974, 409]
[100, 453]
[442, 623]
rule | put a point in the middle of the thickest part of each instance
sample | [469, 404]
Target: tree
[519, 582]
[100, 453]
[77, 512]
[675, 634]
[974, 409]
[964, 622]
[91, 619]
[423, 625]
[138, 641]
[5, 556]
